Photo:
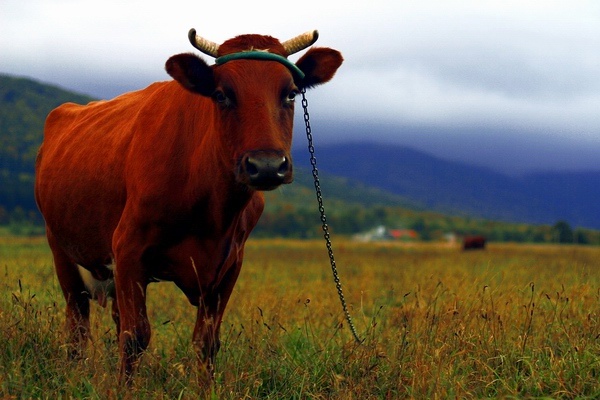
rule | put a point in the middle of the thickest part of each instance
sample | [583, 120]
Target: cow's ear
[192, 73]
[319, 64]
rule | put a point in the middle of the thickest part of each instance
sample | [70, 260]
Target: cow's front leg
[208, 322]
[130, 313]
[206, 340]
[134, 327]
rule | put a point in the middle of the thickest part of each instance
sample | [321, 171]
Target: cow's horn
[300, 42]
[206, 46]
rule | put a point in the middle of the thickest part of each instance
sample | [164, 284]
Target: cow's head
[253, 87]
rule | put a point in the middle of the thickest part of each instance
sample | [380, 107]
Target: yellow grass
[436, 322]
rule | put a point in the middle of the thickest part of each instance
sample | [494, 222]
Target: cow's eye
[220, 97]
[224, 98]
[291, 97]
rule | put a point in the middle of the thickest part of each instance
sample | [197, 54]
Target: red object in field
[474, 242]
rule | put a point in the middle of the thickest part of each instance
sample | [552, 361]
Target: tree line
[289, 220]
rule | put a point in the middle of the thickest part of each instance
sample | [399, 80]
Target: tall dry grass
[436, 322]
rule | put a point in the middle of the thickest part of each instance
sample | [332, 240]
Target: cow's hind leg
[116, 318]
[76, 296]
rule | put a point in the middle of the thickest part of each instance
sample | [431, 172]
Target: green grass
[509, 322]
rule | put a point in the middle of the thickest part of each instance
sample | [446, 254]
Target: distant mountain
[575, 196]
[457, 188]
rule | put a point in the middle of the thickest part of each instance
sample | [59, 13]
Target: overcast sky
[496, 68]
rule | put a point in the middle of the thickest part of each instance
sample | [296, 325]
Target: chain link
[324, 226]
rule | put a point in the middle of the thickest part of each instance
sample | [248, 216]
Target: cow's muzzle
[265, 170]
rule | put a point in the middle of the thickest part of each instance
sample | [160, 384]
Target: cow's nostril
[251, 167]
[284, 167]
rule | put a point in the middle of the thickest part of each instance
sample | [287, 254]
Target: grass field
[512, 321]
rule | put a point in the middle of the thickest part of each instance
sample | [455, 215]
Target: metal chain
[324, 226]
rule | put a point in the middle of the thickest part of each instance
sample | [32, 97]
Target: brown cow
[164, 183]
[474, 243]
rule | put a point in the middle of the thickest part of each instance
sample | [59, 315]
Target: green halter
[262, 55]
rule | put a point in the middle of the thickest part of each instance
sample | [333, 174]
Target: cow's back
[80, 183]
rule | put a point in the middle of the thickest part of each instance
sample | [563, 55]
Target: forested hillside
[24, 105]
